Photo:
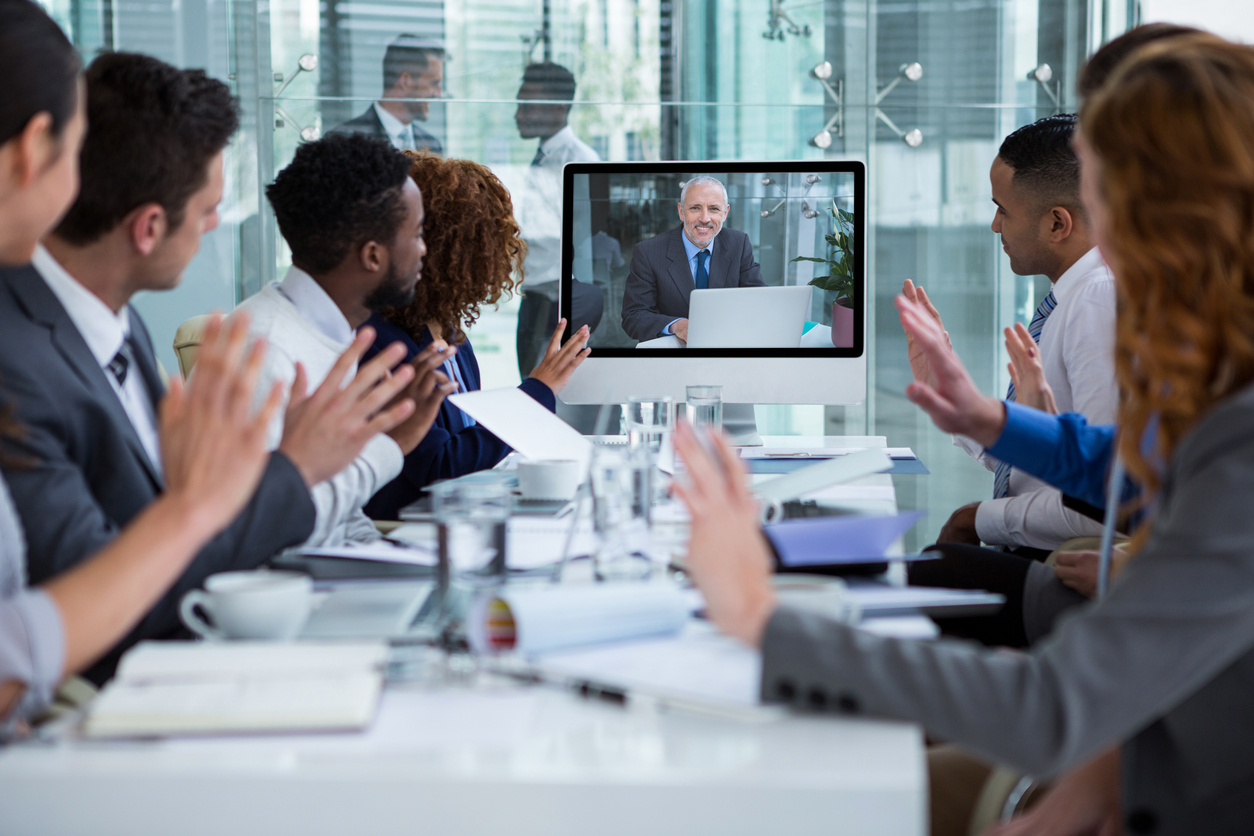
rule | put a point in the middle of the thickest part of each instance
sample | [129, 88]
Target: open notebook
[193, 688]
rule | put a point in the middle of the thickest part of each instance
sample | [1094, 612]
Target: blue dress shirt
[455, 445]
[691, 249]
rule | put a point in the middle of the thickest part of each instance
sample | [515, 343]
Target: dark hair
[39, 67]
[1044, 162]
[554, 78]
[406, 53]
[1103, 62]
[337, 194]
[153, 130]
[474, 246]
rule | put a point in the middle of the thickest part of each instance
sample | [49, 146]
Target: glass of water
[620, 512]
[470, 516]
[705, 407]
[649, 420]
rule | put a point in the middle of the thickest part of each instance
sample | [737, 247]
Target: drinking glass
[620, 512]
[705, 406]
[470, 516]
[649, 420]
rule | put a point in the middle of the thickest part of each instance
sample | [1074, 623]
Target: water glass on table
[470, 516]
[620, 512]
[649, 421]
[705, 407]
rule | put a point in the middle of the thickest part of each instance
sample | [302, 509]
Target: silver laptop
[748, 317]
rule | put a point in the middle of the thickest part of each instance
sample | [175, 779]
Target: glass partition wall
[920, 90]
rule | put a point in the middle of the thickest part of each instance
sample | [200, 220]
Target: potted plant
[839, 279]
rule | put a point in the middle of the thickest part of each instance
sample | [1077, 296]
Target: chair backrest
[187, 341]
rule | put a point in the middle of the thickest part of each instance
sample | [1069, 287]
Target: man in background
[700, 254]
[413, 68]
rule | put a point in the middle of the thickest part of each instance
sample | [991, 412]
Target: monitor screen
[746, 259]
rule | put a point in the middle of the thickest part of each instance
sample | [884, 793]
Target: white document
[533, 542]
[412, 554]
[822, 474]
[517, 419]
[178, 688]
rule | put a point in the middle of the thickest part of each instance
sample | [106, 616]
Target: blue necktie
[703, 275]
[1001, 477]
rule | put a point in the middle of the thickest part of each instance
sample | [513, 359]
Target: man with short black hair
[352, 217]
[413, 68]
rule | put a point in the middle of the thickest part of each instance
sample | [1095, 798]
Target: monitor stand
[741, 425]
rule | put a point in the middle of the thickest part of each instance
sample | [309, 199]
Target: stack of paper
[187, 688]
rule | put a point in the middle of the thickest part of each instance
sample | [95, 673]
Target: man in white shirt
[357, 247]
[413, 71]
[1043, 229]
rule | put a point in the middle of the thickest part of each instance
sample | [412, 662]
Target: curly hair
[337, 194]
[1174, 132]
[475, 250]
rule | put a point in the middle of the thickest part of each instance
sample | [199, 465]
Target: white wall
[1229, 18]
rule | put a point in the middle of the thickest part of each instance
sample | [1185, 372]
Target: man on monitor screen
[701, 254]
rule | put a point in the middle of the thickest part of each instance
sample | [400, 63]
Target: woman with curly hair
[1147, 690]
[474, 252]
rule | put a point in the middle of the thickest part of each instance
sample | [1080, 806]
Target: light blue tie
[703, 275]
[1001, 476]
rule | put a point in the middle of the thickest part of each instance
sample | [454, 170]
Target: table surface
[465, 754]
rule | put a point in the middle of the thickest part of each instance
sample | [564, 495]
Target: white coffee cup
[250, 605]
[549, 479]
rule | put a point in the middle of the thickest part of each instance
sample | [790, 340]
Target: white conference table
[490, 755]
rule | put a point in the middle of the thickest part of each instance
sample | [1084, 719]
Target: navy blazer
[450, 448]
[86, 474]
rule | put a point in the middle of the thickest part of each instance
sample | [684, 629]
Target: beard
[393, 292]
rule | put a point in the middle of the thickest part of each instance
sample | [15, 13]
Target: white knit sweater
[338, 500]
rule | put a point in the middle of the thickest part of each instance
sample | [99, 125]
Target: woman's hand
[952, 401]
[919, 365]
[560, 361]
[1085, 802]
[1026, 371]
[728, 558]
[213, 446]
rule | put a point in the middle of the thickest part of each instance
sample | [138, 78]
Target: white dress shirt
[301, 323]
[402, 135]
[539, 207]
[1078, 354]
[104, 332]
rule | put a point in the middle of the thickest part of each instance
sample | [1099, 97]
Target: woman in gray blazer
[1164, 665]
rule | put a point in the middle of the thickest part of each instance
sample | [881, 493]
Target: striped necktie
[1001, 477]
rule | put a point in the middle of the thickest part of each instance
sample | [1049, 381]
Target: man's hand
[325, 431]
[728, 558]
[1084, 802]
[952, 401]
[960, 528]
[213, 445]
[1026, 371]
[560, 361]
[1078, 570]
[680, 329]
[919, 365]
[427, 390]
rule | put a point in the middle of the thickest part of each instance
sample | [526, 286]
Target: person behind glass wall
[701, 253]
[413, 68]
[212, 467]
[474, 253]
[544, 103]
[1162, 666]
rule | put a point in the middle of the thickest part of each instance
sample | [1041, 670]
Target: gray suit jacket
[660, 282]
[88, 475]
[368, 123]
[1164, 665]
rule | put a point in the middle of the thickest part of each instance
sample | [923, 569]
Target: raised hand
[325, 431]
[1026, 371]
[728, 558]
[560, 361]
[919, 366]
[427, 391]
[952, 401]
[213, 445]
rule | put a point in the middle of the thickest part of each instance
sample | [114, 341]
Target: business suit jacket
[450, 448]
[368, 123]
[88, 475]
[660, 281]
[1164, 665]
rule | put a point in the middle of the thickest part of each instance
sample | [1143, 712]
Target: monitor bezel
[854, 167]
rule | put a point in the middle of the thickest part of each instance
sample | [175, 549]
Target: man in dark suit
[701, 254]
[76, 362]
[413, 68]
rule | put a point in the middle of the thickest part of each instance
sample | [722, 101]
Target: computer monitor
[630, 266]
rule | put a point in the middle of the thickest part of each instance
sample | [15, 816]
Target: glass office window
[920, 90]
